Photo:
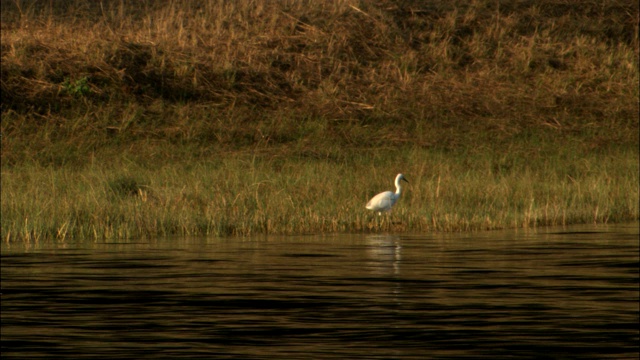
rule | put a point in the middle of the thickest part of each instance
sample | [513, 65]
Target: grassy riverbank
[247, 195]
[256, 117]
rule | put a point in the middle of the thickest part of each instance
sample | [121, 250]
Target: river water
[550, 293]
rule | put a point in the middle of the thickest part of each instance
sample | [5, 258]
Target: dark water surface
[551, 293]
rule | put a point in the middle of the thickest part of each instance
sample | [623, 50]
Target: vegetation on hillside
[510, 113]
[80, 78]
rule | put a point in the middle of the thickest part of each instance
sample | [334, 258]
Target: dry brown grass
[79, 78]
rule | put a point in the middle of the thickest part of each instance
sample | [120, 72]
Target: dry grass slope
[79, 78]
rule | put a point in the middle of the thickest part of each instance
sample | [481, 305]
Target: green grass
[244, 195]
[159, 118]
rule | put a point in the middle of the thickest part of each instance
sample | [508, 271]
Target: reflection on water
[553, 293]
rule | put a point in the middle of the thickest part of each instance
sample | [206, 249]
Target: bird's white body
[385, 200]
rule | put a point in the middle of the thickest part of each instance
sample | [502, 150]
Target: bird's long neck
[398, 187]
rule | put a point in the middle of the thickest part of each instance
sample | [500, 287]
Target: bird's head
[401, 177]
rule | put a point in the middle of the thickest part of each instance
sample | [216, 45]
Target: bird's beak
[405, 180]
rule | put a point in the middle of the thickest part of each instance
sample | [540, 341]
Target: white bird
[385, 200]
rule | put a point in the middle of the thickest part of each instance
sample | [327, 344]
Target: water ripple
[555, 294]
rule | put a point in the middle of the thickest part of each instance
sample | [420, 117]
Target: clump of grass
[126, 186]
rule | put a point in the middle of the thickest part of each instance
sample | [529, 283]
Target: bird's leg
[389, 222]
